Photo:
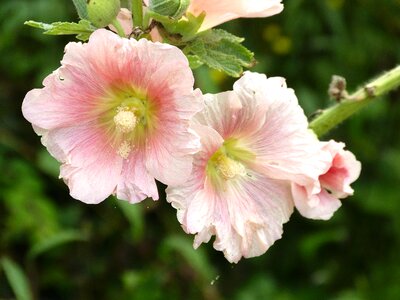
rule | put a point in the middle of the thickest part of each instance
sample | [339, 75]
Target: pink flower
[116, 115]
[255, 142]
[343, 170]
[220, 11]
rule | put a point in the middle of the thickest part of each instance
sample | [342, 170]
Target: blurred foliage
[55, 247]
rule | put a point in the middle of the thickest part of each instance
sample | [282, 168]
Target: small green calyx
[102, 12]
[171, 8]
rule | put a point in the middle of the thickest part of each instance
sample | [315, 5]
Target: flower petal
[90, 167]
[319, 206]
[345, 170]
[218, 12]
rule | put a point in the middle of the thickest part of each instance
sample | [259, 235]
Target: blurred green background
[54, 247]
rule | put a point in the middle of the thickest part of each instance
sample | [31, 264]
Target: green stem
[336, 114]
[119, 28]
[137, 13]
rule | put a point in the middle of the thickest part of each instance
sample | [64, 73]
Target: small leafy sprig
[215, 48]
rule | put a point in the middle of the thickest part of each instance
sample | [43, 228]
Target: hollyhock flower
[116, 115]
[255, 142]
[220, 11]
[343, 170]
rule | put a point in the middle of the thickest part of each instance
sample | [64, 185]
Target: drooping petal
[320, 206]
[334, 184]
[345, 169]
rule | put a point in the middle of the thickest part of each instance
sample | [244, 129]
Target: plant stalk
[336, 114]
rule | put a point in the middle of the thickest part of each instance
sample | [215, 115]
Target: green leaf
[186, 28]
[83, 29]
[194, 61]
[221, 50]
[56, 240]
[17, 279]
[81, 8]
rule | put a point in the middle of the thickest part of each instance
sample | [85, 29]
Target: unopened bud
[171, 8]
[102, 12]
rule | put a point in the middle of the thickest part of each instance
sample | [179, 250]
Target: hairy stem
[336, 114]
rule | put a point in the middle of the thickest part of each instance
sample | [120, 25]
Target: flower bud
[102, 12]
[171, 8]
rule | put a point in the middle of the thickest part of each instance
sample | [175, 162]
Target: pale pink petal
[90, 167]
[319, 206]
[136, 183]
[210, 142]
[345, 170]
[220, 11]
[246, 219]
[231, 115]
[334, 184]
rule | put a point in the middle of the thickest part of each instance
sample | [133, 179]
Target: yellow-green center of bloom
[128, 116]
[228, 162]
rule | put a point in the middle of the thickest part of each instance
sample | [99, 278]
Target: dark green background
[70, 250]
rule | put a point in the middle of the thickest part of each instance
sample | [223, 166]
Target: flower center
[125, 120]
[228, 162]
[128, 116]
[229, 168]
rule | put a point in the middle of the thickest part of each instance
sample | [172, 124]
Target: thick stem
[336, 114]
[137, 13]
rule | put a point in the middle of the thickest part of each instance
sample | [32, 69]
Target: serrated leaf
[17, 279]
[81, 8]
[222, 51]
[83, 29]
[194, 61]
[58, 239]
[185, 27]
[219, 34]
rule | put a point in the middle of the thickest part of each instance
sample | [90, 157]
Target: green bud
[102, 12]
[171, 8]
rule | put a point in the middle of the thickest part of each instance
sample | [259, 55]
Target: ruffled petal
[345, 170]
[136, 183]
[319, 206]
[246, 218]
[284, 146]
[90, 167]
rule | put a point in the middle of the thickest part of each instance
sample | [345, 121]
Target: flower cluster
[119, 114]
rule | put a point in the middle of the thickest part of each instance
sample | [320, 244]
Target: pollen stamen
[229, 168]
[125, 120]
[124, 150]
